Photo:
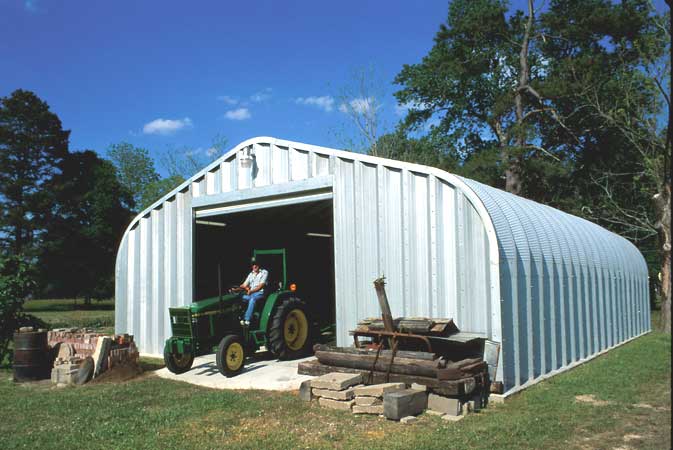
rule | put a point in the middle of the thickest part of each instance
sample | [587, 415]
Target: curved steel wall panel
[552, 288]
[570, 289]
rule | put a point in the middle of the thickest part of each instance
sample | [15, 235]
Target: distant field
[60, 313]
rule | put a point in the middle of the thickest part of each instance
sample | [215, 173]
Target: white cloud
[166, 126]
[359, 105]
[211, 151]
[261, 96]
[228, 100]
[324, 102]
[238, 114]
[403, 109]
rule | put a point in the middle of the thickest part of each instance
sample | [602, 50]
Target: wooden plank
[379, 285]
[427, 356]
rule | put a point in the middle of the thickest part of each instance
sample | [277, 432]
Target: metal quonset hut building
[554, 289]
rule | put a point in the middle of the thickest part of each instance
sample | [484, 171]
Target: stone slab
[444, 405]
[368, 401]
[402, 403]
[377, 390]
[371, 409]
[419, 387]
[346, 394]
[336, 404]
[409, 419]
[451, 418]
[305, 391]
[336, 381]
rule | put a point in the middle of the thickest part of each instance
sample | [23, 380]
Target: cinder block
[368, 401]
[336, 404]
[444, 405]
[377, 390]
[372, 409]
[346, 394]
[336, 381]
[305, 391]
[402, 403]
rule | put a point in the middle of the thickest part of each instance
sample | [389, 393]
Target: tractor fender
[274, 299]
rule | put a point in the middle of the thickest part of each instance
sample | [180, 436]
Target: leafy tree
[32, 144]
[135, 171]
[81, 239]
[14, 286]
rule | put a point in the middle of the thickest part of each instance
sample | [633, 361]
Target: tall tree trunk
[662, 202]
[513, 168]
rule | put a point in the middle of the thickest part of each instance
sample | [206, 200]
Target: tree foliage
[15, 284]
[32, 144]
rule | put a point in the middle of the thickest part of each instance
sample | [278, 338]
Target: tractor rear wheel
[289, 334]
[230, 356]
[178, 363]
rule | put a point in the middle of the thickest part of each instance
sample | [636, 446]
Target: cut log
[427, 356]
[366, 362]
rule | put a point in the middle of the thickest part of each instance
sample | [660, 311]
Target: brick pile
[74, 345]
[394, 401]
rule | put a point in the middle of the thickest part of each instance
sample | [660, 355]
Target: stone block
[402, 403]
[409, 419]
[372, 409]
[336, 404]
[368, 401]
[305, 391]
[444, 405]
[419, 387]
[451, 418]
[377, 390]
[336, 381]
[346, 394]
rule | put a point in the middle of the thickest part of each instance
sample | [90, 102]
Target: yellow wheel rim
[295, 330]
[181, 360]
[234, 356]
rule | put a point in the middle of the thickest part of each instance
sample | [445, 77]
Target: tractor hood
[212, 302]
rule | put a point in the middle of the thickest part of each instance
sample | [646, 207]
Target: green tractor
[280, 323]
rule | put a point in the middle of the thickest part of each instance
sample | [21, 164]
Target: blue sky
[175, 75]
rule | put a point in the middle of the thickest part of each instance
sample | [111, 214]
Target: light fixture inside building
[319, 235]
[214, 224]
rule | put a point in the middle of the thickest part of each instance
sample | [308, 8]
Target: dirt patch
[592, 400]
[119, 374]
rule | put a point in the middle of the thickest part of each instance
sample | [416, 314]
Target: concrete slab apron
[263, 374]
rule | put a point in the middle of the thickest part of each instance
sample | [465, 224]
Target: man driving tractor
[253, 286]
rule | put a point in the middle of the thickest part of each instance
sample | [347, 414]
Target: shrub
[15, 283]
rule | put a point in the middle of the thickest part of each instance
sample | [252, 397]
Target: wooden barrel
[31, 356]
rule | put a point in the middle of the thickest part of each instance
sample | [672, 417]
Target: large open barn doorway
[225, 242]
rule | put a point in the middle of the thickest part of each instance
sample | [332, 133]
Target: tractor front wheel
[230, 356]
[178, 363]
[289, 334]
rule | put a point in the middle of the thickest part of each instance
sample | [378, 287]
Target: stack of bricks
[83, 340]
[335, 390]
[65, 370]
[369, 399]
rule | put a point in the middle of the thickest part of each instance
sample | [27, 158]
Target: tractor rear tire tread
[275, 339]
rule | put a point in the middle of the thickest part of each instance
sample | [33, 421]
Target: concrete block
[336, 381]
[336, 404]
[402, 403]
[377, 390]
[409, 419]
[451, 418]
[372, 409]
[496, 398]
[444, 405]
[305, 391]
[368, 401]
[346, 394]
[419, 387]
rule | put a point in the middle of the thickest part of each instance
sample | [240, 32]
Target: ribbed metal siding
[570, 289]
[407, 222]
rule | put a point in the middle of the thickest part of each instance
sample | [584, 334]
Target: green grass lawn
[58, 313]
[630, 386]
